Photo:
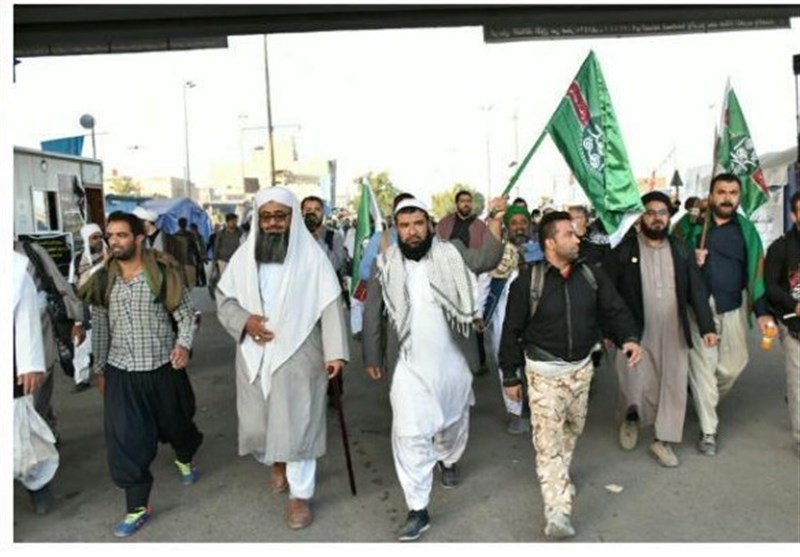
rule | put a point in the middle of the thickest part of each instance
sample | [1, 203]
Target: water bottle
[770, 334]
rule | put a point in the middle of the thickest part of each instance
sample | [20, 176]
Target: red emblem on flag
[579, 103]
[758, 177]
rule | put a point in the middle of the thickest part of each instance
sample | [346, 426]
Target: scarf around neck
[452, 283]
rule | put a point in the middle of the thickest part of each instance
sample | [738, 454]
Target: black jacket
[623, 269]
[567, 322]
[783, 259]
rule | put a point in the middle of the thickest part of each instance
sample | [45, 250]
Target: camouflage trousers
[558, 413]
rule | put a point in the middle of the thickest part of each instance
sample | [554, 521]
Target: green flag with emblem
[735, 153]
[585, 130]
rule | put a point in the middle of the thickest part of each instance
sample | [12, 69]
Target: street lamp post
[87, 122]
[187, 171]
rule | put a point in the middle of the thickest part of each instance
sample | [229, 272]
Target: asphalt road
[749, 492]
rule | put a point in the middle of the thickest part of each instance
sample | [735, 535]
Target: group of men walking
[674, 306]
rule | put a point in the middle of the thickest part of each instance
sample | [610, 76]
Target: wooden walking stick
[337, 393]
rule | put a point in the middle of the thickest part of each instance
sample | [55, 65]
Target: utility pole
[269, 118]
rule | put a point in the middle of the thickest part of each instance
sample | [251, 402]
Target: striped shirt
[135, 332]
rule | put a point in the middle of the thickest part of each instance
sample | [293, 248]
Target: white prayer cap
[275, 193]
[406, 203]
[89, 229]
[145, 214]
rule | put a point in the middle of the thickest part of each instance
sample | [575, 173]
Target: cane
[337, 393]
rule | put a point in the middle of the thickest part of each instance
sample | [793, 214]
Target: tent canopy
[170, 210]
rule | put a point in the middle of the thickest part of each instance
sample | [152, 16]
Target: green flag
[363, 231]
[585, 130]
[735, 153]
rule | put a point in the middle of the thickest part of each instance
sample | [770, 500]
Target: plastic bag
[35, 454]
[82, 359]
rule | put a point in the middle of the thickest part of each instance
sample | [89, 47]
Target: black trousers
[140, 409]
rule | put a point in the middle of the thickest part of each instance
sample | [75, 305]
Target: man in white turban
[94, 252]
[154, 239]
[281, 301]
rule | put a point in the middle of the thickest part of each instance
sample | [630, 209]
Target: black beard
[718, 211]
[415, 253]
[464, 216]
[271, 247]
[655, 234]
[312, 222]
[519, 239]
[94, 250]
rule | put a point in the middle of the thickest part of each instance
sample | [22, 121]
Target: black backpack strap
[537, 285]
[329, 238]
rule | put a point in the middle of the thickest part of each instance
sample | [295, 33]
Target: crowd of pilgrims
[539, 297]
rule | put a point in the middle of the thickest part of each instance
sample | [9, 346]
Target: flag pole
[524, 162]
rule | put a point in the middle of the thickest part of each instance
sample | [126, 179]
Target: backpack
[57, 309]
[537, 282]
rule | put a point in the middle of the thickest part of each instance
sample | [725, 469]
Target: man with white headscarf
[154, 239]
[94, 252]
[428, 288]
[280, 299]
[83, 265]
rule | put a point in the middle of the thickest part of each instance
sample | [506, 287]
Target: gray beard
[271, 247]
[519, 239]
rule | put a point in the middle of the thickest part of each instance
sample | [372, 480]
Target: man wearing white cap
[428, 288]
[153, 237]
[280, 299]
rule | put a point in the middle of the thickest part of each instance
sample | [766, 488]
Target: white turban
[145, 214]
[308, 284]
[406, 203]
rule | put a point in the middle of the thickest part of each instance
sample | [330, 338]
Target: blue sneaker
[188, 472]
[132, 522]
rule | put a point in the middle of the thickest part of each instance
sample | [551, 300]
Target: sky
[431, 106]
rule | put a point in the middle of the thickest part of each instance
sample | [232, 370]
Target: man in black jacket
[659, 280]
[553, 340]
[782, 276]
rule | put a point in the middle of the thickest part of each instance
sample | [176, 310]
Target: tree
[123, 185]
[444, 203]
[383, 189]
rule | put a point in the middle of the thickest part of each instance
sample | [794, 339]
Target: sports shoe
[629, 434]
[707, 444]
[664, 454]
[298, 513]
[41, 499]
[559, 527]
[188, 472]
[517, 425]
[133, 522]
[417, 522]
[450, 476]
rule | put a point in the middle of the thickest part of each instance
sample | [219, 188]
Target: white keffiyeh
[452, 282]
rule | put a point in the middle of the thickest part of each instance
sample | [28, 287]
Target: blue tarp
[64, 145]
[170, 210]
[124, 203]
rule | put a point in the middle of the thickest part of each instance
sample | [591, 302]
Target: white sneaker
[664, 454]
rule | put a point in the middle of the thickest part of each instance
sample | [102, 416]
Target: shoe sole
[409, 538]
[129, 534]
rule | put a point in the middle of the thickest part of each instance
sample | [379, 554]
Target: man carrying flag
[585, 130]
[730, 255]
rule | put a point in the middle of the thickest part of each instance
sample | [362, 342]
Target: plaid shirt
[135, 332]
